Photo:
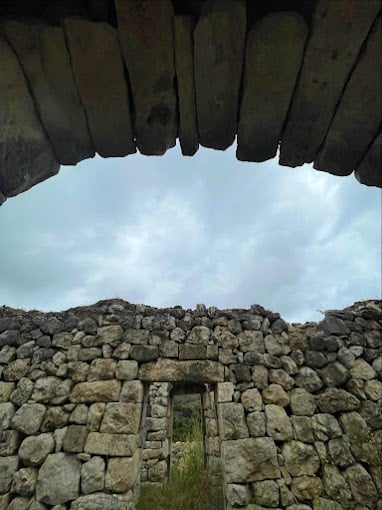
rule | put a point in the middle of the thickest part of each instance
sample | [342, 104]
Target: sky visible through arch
[172, 230]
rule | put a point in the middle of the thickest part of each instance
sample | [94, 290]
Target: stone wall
[292, 413]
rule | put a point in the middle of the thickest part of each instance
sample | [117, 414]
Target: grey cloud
[174, 230]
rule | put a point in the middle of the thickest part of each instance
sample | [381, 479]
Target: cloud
[174, 230]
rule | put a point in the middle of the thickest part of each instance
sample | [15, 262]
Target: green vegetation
[186, 412]
[190, 485]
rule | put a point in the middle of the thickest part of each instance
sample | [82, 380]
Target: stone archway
[111, 77]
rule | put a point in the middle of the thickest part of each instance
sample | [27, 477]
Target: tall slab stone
[359, 113]
[146, 33]
[99, 75]
[337, 33]
[43, 54]
[369, 170]
[26, 156]
[274, 52]
[184, 66]
[219, 40]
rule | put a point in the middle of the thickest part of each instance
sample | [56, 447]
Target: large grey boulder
[58, 479]
[34, 449]
[28, 418]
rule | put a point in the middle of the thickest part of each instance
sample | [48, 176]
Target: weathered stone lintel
[335, 39]
[184, 66]
[99, 73]
[219, 41]
[167, 370]
[359, 114]
[146, 34]
[274, 52]
[26, 156]
[43, 55]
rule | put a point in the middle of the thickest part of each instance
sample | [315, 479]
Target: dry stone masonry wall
[292, 413]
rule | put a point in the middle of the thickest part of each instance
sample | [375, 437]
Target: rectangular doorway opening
[187, 439]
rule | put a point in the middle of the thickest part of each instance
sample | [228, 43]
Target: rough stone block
[224, 392]
[132, 391]
[35, 449]
[99, 501]
[109, 334]
[361, 485]
[300, 458]
[28, 418]
[8, 466]
[6, 389]
[126, 370]
[278, 423]
[250, 459]
[75, 438]
[302, 402]
[335, 399]
[122, 418]
[267, 493]
[93, 475]
[97, 391]
[117, 445]
[251, 400]
[237, 495]
[102, 369]
[187, 351]
[8, 442]
[307, 487]
[232, 423]
[24, 481]
[122, 473]
[7, 410]
[144, 353]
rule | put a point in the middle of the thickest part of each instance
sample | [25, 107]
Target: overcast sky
[172, 230]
